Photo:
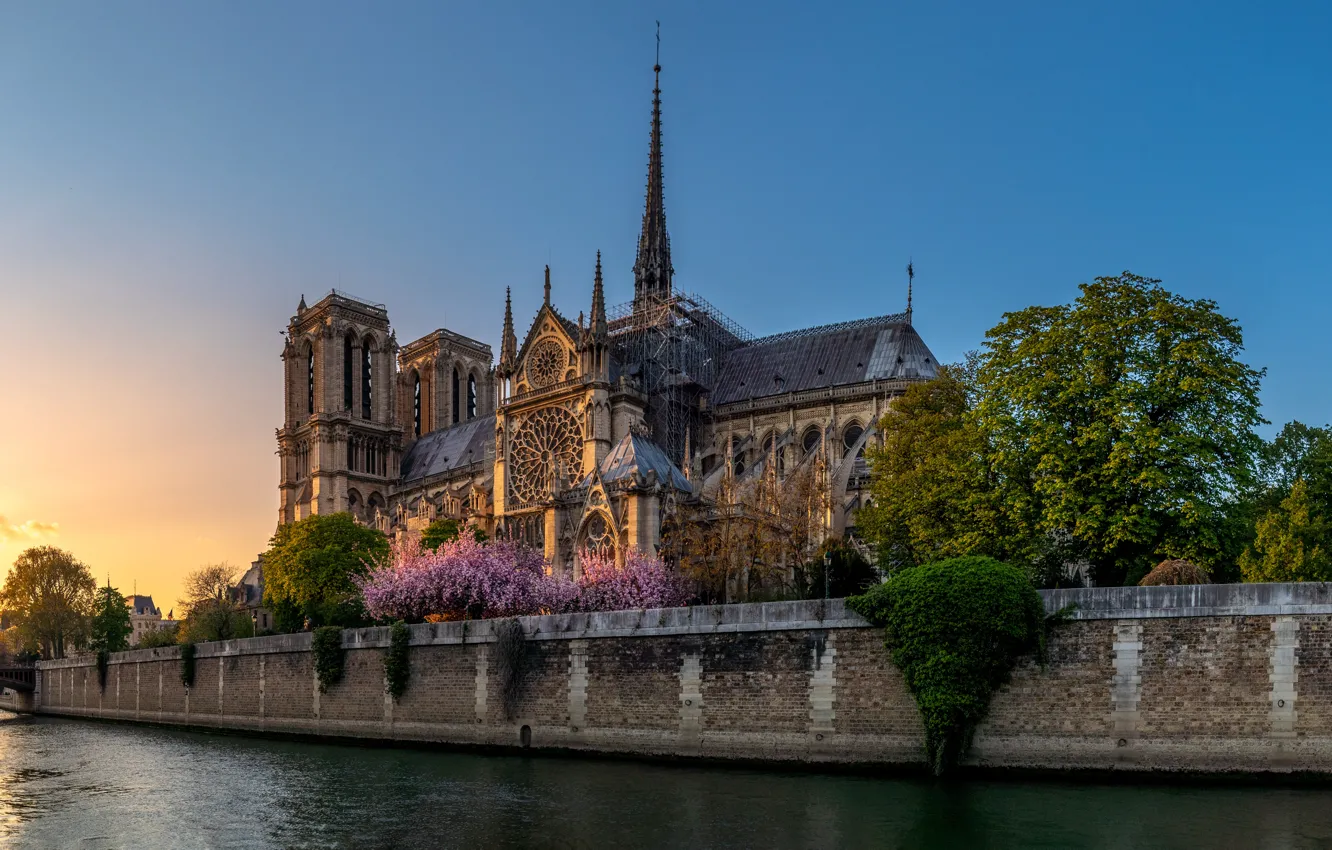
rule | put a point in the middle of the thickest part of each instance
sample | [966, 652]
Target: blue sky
[174, 176]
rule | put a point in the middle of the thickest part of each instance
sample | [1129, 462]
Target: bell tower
[340, 444]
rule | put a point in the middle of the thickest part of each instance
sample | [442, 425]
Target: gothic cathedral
[589, 434]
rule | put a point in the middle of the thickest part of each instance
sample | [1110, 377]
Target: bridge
[17, 678]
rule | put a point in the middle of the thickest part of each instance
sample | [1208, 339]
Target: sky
[173, 177]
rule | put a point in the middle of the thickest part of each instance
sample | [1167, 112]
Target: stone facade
[1138, 682]
[585, 434]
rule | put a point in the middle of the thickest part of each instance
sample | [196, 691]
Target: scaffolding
[673, 348]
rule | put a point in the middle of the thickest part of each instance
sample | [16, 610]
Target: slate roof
[444, 451]
[141, 605]
[885, 348]
[635, 454]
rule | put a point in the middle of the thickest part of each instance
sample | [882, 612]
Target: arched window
[416, 401]
[367, 385]
[455, 395]
[348, 343]
[809, 442]
[738, 462]
[309, 393]
[851, 435]
[471, 396]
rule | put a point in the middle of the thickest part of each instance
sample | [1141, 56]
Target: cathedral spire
[508, 342]
[911, 278]
[652, 268]
[547, 284]
[598, 321]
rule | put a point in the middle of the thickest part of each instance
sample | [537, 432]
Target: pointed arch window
[416, 402]
[367, 385]
[471, 396]
[347, 345]
[310, 388]
[455, 395]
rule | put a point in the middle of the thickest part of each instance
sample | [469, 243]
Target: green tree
[1293, 542]
[439, 532]
[1125, 419]
[932, 494]
[309, 567]
[164, 636]
[110, 627]
[210, 606]
[49, 593]
[1298, 452]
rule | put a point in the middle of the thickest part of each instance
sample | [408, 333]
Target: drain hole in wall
[1281, 703]
[525, 736]
[1123, 742]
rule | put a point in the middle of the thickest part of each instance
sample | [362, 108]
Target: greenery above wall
[328, 655]
[955, 629]
[397, 666]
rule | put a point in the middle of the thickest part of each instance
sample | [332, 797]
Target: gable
[549, 354]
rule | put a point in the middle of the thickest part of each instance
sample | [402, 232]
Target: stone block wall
[1201, 679]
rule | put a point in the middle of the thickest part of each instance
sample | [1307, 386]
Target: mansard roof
[882, 348]
[141, 605]
[637, 455]
[442, 452]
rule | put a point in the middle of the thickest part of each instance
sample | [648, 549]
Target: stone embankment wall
[1216, 678]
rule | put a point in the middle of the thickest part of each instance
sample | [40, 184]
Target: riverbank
[1226, 680]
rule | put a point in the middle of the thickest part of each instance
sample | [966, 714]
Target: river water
[77, 784]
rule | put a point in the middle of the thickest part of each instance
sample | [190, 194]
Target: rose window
[545, 363]
[545, 444]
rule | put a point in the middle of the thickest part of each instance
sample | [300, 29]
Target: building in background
[145, 617]
[250, 595]
[585, 435]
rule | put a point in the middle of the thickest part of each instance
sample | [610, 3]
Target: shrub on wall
[511, 661]
[328, 655]
[397, 667]
[1175, 572]
[187, 664]
[955, 629]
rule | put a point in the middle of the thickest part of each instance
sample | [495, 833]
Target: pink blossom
[643, 581]
[502, 578]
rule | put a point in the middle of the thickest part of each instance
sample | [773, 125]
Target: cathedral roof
[141, 605]
[883, 348]
[637, 455]
[445, 451]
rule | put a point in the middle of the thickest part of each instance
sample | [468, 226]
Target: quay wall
[1217, 678]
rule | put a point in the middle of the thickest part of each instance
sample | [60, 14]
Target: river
[71, 783]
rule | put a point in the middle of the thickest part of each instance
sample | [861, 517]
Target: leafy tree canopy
[1126, 418]
[310, 565]
[1118, 430]
[439, 531]
[1293, 542]
[49, 593]
[110, 627]
[212, 611]
[932, 494]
